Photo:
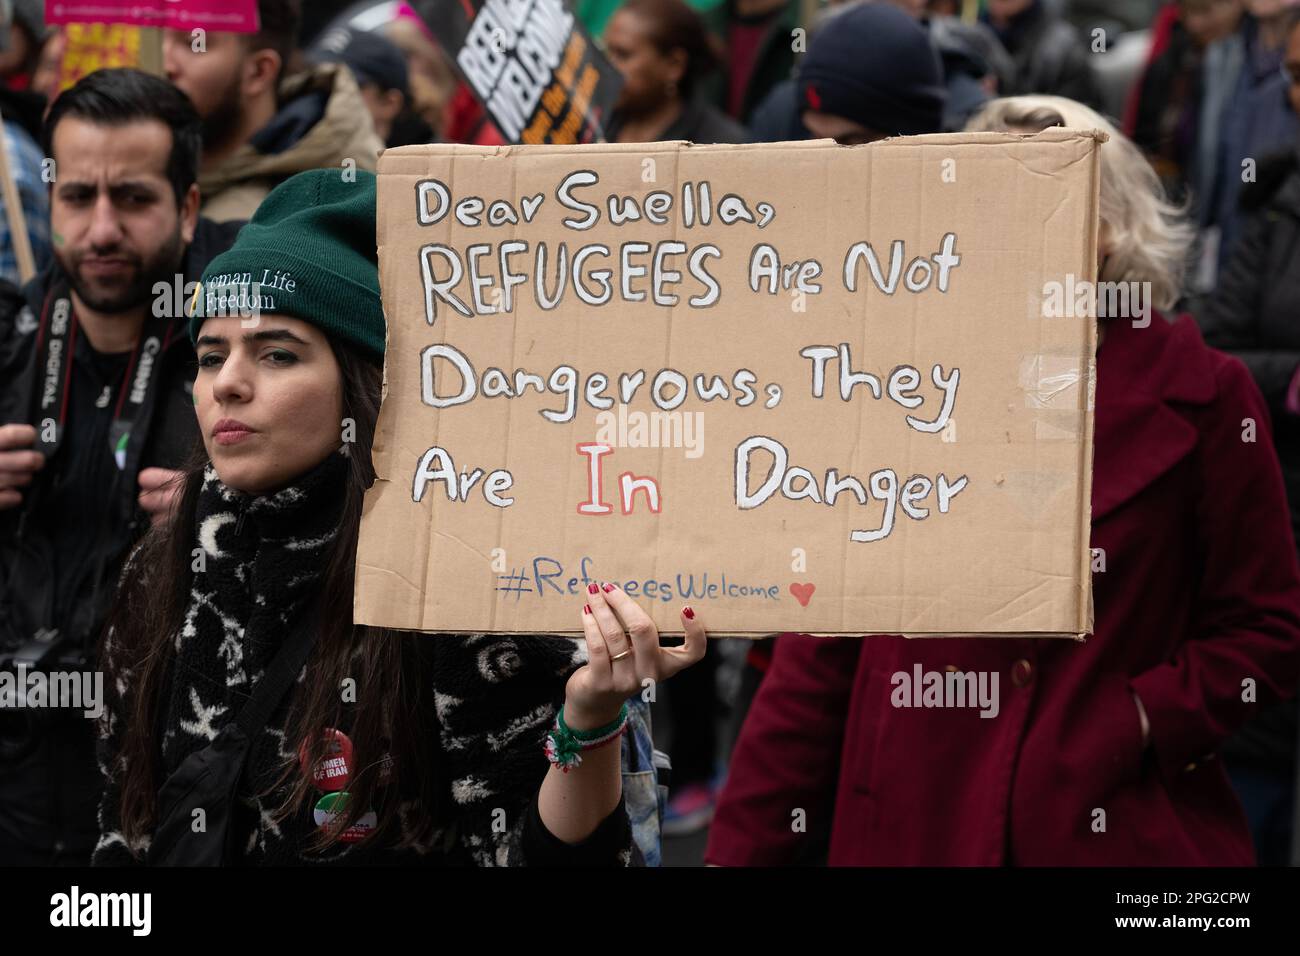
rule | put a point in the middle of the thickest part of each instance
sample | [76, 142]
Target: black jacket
[24, 108]
[1167, 120]
[1049, 56]
[970, 52]
[697, 123]
[60, 557]
[774, 59]
[1254, 314]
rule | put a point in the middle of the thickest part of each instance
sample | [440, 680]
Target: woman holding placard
[248, 719]
[1099, 752]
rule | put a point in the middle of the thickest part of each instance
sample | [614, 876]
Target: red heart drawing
[803, 593]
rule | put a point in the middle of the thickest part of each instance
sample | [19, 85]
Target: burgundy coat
[1200, 591]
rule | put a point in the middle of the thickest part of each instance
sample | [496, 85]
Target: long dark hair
[386, 669]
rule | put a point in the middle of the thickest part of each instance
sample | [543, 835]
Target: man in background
[96, 414]
[262, 125]
[379, 68]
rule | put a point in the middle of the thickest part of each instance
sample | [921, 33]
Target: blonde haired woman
[1102, 752]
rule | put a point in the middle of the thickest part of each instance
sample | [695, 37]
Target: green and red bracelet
[564, 746]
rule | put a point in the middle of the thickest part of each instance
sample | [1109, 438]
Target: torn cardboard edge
[1053, 134]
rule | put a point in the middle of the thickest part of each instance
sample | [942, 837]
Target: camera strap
[56, 341]
[137, 394]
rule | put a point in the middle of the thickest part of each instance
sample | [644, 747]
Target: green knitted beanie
[308, 253]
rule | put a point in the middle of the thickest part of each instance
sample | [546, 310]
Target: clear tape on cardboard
[1050, 384]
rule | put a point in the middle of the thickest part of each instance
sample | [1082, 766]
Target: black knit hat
[372, 57]
[875, 65]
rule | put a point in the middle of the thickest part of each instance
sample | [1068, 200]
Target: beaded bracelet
[564, 745]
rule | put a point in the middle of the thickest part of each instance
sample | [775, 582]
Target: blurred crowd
[1207, 90]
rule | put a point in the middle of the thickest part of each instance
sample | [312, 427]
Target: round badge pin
[334, 770]
[332, 804]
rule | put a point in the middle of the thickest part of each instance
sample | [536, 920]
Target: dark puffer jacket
[1049, 55]
[1254, 314]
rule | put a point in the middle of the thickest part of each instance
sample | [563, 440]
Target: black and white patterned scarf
[258, 561]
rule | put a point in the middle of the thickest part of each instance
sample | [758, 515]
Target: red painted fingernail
[592, 589]
[608, 587]
[586, 609]
[690, 615]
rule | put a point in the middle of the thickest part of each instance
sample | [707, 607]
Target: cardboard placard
[531, 64]
[230, 16]
[800, 387]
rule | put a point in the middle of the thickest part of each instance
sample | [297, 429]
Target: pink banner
[229, 16]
